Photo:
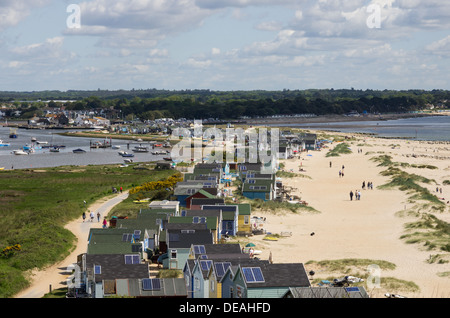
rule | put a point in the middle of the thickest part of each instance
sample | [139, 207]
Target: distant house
[165, 204]
[207, 215]
[306, 141]
[230, 217]
[201, 258]
[200, 194]
[197, 203]
[209, 222]
[244, 214]
[259, 189]
[185, 189]
[179, 243]
[221, 266]
[263, 280]
[100, 272]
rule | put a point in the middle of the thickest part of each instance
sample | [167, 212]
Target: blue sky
[225, 44]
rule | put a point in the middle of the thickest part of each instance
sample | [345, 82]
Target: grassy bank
[36, 204]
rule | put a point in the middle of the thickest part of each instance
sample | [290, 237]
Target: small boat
[33, 139]
[41, 142]
[20, 152]
[140, 149]
[4, 144]
[115, 147]
[54, 149]
[126, 154]
[12, 133]
[79, 150]
[159, 153]
[128, 160]
[167, 159]
[28, 147]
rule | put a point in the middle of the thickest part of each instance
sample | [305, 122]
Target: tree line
[202, 104]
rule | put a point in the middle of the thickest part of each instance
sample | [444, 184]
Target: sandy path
[366, 229]
[56, 275]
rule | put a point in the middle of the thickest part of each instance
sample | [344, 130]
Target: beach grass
[276, 207]
[427, 230]
[36, 204]
[342, 148]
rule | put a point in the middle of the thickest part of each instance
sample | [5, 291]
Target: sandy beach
[369, 228]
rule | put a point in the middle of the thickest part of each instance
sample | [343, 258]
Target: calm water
[420, 128]
[45, 158]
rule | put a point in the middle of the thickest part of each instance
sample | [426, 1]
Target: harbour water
[432, 128]
[43, 158]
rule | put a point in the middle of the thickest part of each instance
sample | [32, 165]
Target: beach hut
[263, 280]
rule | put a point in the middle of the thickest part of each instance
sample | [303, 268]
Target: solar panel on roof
[221, 268]
[199, 249]
[205, 264]
[132, 259]
[248, 275]
[352, 289]
[146, 284]
[156, 282]
[151, 284]
[257, 273]
[126, 237]
[253, 274]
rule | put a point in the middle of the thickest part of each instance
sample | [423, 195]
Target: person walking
[104, 223]
[84, 216]
[351, 195]
[359, 195]
[92, 216]
[98, 216]
[121, 189]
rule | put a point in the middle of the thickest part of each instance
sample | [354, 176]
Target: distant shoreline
[338, 118]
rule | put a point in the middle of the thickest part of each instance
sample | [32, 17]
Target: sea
[43, 158]
[430, 128]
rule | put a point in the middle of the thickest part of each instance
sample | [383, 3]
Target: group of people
[357, 193]
[369, 185]
[91, 215]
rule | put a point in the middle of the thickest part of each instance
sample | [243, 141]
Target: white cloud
[440, 47]
[13, 12]
[137, 23]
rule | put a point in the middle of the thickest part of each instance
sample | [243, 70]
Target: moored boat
[140, 149]
[79, 150]
[19, 152]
